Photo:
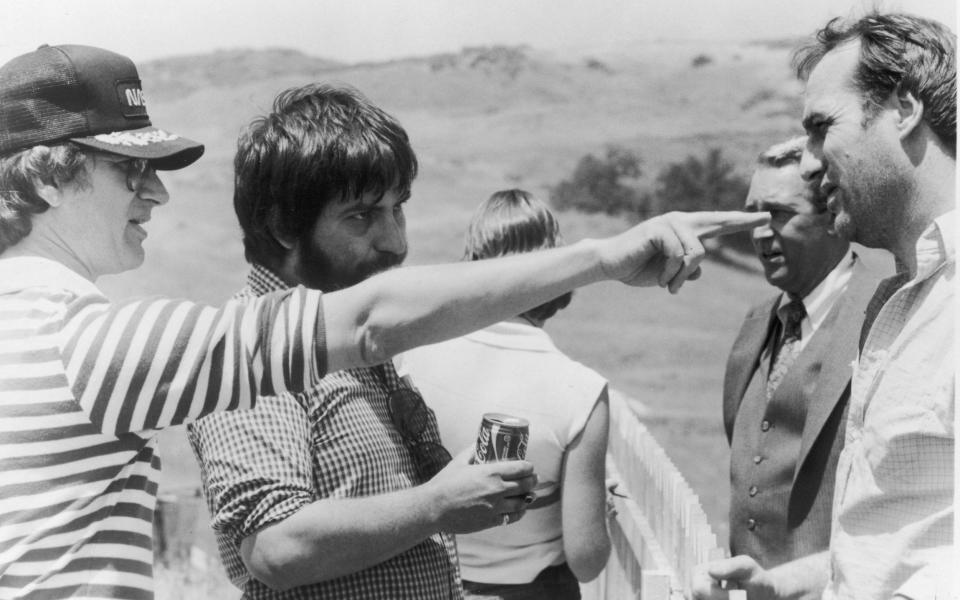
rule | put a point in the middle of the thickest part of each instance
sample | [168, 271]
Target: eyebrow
[359, 204]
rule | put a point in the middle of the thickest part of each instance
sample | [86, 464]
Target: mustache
[386, 261]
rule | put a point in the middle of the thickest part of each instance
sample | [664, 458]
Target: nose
[392, 237]
[811, 164]
[152, 189]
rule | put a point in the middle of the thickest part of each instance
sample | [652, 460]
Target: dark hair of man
[320, 143]
[513, 222]
[898, 53]
[20, 172]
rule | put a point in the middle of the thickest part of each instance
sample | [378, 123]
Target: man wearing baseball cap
[86, 383]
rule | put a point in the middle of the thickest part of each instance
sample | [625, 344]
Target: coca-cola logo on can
[501, 437]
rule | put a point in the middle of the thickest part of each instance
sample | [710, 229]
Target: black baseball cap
[86, 95]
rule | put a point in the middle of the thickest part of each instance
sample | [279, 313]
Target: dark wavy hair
[512, 222]
[898, 52]
[20, 172]
[319, 143]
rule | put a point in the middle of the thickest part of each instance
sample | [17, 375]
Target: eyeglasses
[136, 171]
[411, 417]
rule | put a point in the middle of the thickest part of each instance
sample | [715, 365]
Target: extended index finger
[737, 568]
[712, 223]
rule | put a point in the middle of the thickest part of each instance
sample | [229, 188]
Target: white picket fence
[660, 531]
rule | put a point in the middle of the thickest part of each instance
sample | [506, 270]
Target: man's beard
[318, 271]
[873, 216]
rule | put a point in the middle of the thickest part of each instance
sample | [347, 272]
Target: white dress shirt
[893, 504]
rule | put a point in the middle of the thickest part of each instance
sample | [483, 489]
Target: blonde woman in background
[513, 367]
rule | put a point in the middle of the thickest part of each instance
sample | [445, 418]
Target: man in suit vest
[788, 375]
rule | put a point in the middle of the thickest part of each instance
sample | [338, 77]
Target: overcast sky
[359, 30]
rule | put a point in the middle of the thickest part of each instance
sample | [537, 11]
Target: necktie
[791, 315]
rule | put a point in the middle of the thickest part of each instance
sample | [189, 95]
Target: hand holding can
[503, 437]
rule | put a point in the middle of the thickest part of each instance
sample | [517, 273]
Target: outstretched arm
[409, 307]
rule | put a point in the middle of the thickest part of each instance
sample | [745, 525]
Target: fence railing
[660, 531]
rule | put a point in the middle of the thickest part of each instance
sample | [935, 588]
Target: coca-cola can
[502, 437]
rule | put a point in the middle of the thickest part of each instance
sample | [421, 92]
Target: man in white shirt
[880, 112]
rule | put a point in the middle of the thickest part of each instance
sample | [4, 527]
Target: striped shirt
[84, 386]
[336, 440]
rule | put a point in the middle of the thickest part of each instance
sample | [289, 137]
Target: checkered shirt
[335, 441]
[893, 504]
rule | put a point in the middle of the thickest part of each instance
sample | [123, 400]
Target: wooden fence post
[176, 522]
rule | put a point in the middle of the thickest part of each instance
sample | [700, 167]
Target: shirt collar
[514, 334]
[821, 299]
[22, 272]
[261, 280]
[937, 245]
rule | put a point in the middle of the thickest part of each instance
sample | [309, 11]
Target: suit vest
[767, 439]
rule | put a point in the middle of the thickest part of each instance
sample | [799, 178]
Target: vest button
[757, 459]
[751, 524]
[753, 490]
[765, 425]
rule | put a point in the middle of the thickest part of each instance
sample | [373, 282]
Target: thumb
[509, 470]
[464, 457]
[738, 568]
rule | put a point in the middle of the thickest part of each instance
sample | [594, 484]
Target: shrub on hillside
[601, 184]
[701, 60]
[710, 183]
[595, 64]
[609, 185]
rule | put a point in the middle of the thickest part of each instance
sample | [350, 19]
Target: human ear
[276, 229]
[51, 194]
[909, 112]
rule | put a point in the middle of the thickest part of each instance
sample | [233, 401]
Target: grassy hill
[485, 119]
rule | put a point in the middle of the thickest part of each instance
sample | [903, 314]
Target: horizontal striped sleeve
[83, 386]
[153, 363]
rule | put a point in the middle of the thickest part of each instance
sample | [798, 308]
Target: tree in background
[708, 184]
[609, 185]
[695, 184]
[601, 184]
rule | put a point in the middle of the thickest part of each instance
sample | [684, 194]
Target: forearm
[331, 538]
[405, 308]
[410, 307]
[335, 537]
[586, 542]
